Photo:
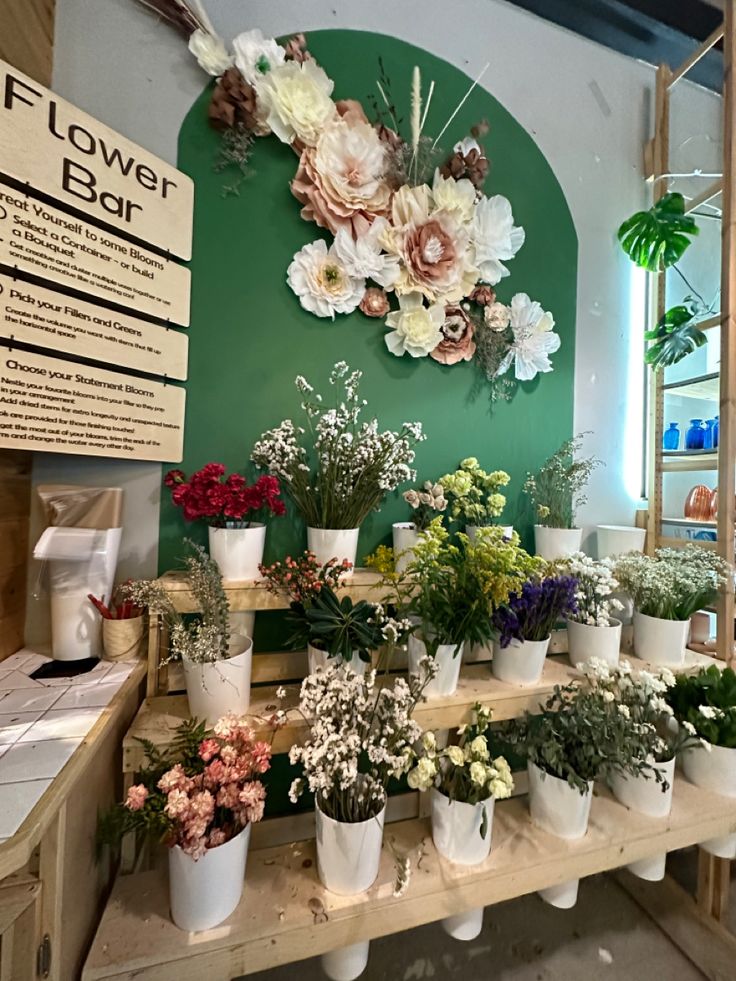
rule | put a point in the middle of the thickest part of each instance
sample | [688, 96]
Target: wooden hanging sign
[63, 152]
[46, 242]
[62, 407]
[44, 318]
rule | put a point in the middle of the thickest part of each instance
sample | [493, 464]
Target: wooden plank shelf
[286, 915]
[689, 461]
[700, 387]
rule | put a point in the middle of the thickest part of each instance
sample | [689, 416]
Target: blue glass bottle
[708, 434]
[671, 437]
[695, 435]
[715, 434]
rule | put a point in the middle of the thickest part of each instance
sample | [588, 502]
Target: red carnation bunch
[223, 502]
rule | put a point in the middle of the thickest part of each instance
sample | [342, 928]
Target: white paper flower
[417, 329]
[534, 339]
[494, 237]
[256, 55]
[322, 282]
[210, 52]
[455, 197]
[296, 101]
[363, 258]
[465, 146]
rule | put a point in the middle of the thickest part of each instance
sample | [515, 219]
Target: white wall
[587, 107]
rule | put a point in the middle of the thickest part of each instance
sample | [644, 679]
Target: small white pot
[521, 663]
[585, 641]
[348, 854]
[205, 892]
[238, 551]
[218, 687]
[464, 926]
[471, 530]
[333, 543]
[320, 659]
[556, 543]
[561, 810]
[660, 641]
[700, 627]
[347, 963]
[644, 794]
[615, 540]
[405, 538]
[713, 770]
[242, 623]
[448, 666]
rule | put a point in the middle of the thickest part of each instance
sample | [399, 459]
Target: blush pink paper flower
[457, 342]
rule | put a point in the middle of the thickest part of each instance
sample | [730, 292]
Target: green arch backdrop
[249, 337]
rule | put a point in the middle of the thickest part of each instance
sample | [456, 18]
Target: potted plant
[569, 745]
[200, 798]
[347, 469]
[667, 588]
[705, 705]
[425, 503]
[556, 491]
[592, 629]
[217, 667]
[475, 495]
[231, 508]
[123, 625]
[523, 626]
[465, 782]
[360, 738]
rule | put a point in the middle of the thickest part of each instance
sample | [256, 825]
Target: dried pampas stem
[460, 104]
[177, 13]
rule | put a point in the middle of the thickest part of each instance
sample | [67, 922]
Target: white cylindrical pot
[471, 531]
[713, 769]
[242, 623]
[333, 543]
[215, 688]
[456, 828]
[320, 659]
[521, 663]
[660, 641]
[347, 963]
[585, 641]
[700, 628]
[205, 892]
[644, 794]
[447, 660]
[464, 926]
[238, 551]
[348, 854]
[615, 540]
[405, 538]
[556, 543]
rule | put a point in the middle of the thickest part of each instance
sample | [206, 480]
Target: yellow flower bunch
[474, 493]
[383, 561]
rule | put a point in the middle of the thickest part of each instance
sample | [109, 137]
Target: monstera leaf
[657, 238]
[674, 337]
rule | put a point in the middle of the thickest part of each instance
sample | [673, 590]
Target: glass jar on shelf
[708, 434]
[715, 434]
[695, 436]
[671, 437]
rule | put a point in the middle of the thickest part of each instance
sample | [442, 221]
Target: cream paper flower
[534, 339]
[494, 237]
[322, 283]
[296, 101]
[363, 258]
[417, 329]
[210, 52]
[455, 197]
[256, 55]
[410, 204]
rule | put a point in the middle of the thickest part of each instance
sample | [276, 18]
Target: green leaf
[657, 238]
[674, 337]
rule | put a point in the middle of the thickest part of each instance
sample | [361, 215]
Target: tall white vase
[405, 537]
[615, 540]
[644, 794]
[713, 769]
[586, 641]
[320, 659]
[456, 833]
[205, 892]
[556, 543]
[333, 543]
[561, 810]
[660, 641]
[215, 688]
[447, 661]
[238, 551]
[521, 662]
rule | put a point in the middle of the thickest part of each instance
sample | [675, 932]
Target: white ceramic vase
[320, 659]
[521, 663]
[561, 810]
[405, 537]
[556, 543]
[713, 769]
[456, 835]
[644, 794]
[586, 641]
[615, 540]
[215, 688]
[660, 641]
[205, 892]
[447, 660]
[333, 543]
[471, 531]
[238, 551]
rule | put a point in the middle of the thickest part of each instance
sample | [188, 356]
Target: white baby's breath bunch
[597, 605]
